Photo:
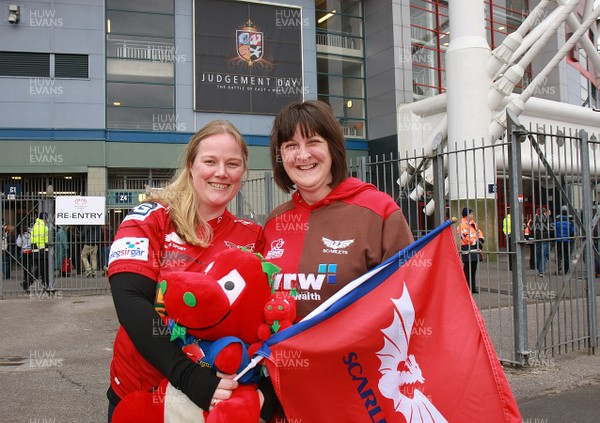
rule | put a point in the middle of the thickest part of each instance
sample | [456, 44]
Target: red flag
[407, 344]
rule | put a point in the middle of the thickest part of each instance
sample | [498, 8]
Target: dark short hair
[43, 215]
[312, 117]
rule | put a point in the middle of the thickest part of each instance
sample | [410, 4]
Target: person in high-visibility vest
[471, 242]
[506, 229]
[39, 239]
[528, 235]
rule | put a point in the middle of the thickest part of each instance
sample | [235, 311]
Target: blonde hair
[180, 195]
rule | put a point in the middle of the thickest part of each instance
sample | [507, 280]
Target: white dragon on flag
[399, 369]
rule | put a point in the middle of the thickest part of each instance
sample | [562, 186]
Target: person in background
[29, 269]
[108, 234]
[179, 228]
[5, 252]
[91, 238]
[565, 232]
[542, 234]
[528, 233]
[61, 248]
[39, 241]
[331, 218]
[471, 243]
[506, 230]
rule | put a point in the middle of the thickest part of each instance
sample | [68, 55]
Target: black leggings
[113, 400]
[470, 269]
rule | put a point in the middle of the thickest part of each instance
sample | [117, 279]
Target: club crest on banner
[399, 369]
[249, 43]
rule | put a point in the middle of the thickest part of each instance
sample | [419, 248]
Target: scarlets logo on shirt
[336, 246]
[276, 250]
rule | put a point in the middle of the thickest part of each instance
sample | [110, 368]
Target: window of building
[140, 65]
[340, 62]
[431, 37]
[39, 65]
[71, 66]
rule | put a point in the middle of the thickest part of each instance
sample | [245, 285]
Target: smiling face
[217, 171]
[307, 161]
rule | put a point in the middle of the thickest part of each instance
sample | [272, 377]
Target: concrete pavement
[55, 353]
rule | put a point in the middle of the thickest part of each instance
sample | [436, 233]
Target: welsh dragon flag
[405, 342]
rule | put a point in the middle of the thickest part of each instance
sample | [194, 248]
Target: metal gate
[529, 315]
[62, 257]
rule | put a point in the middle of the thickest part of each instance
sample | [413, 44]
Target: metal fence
[529, 315]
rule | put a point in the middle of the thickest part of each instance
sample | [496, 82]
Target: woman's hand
[224, 389]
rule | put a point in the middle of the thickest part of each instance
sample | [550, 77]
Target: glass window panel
[131, 95]
[140, 48]
[347, 7]
[425, 76]
[341, 24]
[426, 5]
[339, 66]
[339, 86]
[154, 6]
[340, 40]
[420, 92]
[143, 119]
[423, 37]
[350, 113]
[148, 24]
[424, 57]
[138, 71]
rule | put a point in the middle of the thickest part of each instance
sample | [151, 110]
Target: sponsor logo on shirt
[326, 273]
[336, 246]
[129, 249]
[276, 250]
[250, 247]
[142, 211]
[173, 240]
[243, 222]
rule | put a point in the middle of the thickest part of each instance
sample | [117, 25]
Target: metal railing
[527, 314]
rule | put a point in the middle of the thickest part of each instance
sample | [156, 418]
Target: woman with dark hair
[335, 228]
[179, 228]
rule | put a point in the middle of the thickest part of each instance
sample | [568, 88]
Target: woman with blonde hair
[179, 228]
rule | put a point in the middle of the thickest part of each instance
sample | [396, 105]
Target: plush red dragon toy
[213, 316]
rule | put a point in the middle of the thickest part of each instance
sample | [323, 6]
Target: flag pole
[253, 363]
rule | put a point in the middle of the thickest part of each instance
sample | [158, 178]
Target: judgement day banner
[403, 343]
[248, 56]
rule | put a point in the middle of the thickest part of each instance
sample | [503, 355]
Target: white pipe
[498, 124]
[585, 42]
[530, 39]
[505, 85]
[502, 54]
[468, 85]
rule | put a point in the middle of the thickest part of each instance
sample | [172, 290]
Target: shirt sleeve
[396, 234]
[138, 242]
